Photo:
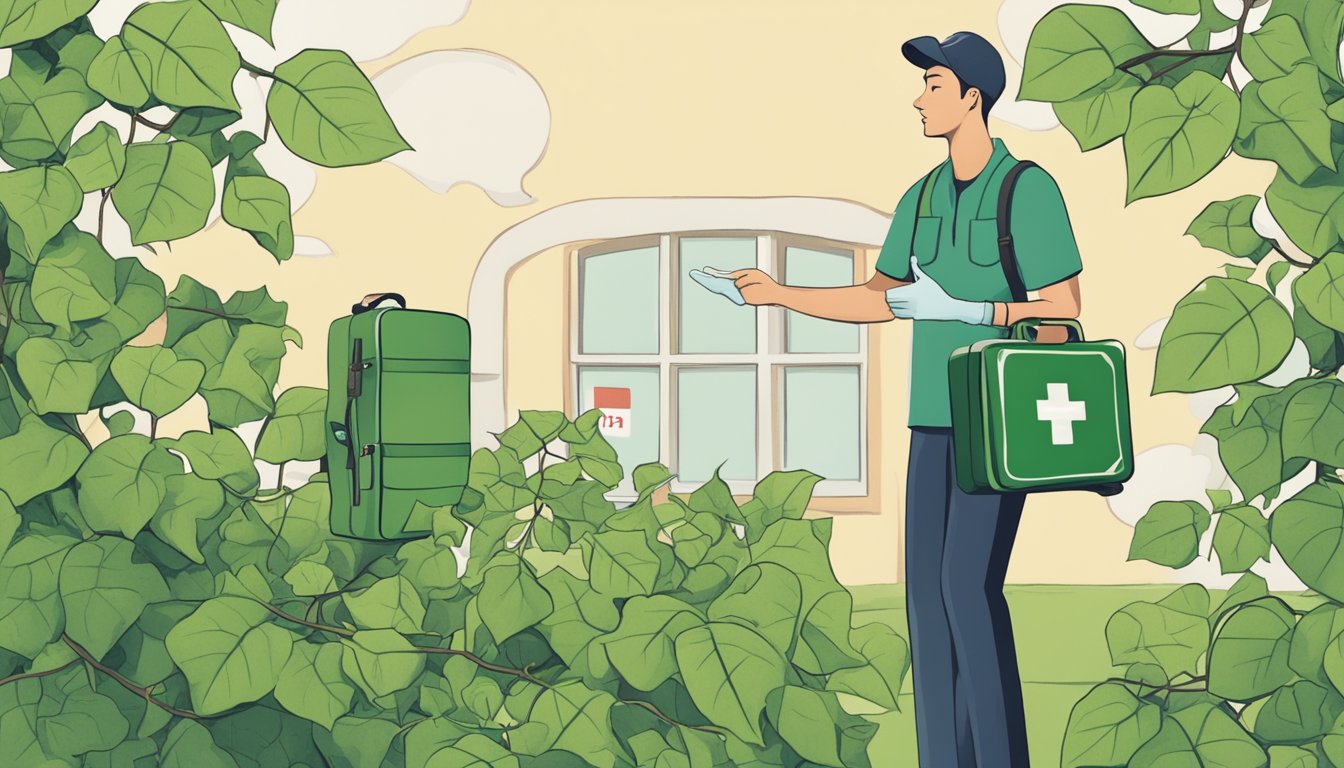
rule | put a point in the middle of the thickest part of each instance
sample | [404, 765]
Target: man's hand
[757, 287]
[925, 299]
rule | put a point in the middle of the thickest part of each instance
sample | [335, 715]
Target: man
[968, 699]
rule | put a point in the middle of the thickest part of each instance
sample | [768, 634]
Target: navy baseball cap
[974, 60]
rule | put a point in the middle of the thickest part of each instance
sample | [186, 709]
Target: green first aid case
[1034, 416]
[398, 410]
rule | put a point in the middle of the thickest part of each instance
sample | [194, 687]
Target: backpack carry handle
[374, 299]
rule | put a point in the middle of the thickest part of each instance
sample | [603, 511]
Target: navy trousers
[968, 696]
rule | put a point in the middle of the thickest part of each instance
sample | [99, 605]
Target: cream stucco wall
[750, 98]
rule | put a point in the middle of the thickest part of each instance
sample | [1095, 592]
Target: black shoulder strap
[919, 206]
[1007, 255]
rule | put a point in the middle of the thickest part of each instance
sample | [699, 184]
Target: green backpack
[398, 407]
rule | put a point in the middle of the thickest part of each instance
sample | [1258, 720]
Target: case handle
[1021, 327]
[374, 299]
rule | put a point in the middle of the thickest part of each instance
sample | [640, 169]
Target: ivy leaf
[189, 745]
[1313, 421]
[1308, 531]
[778, 495]
[767, 598]
[381, 662]
[510, 599]
[728, 670]
[1251, 450]
[188, 501]
[31, 612]
[1274, 49]
[1168, 534]
[97, 159]
[255, 306]
[166, 191]
[1177, 135]
[1217, 737]
[297, 431]
[260, 206]
[308, 578]
[572, 718]
[621, 564]
[1226, 226]
[31, 19]
[1321, 291]
[641, 648]
[1100, 113]
[38, 458]
[1107, 726]
[1249, 657]
[312, 686]
[40, 115]
[218, 455]
[818, 729]
[192, 60]
[1283, 119]
[230, 653]
[123, 482]
[1170, 747]
[104, 592]
[154, 379]
[242, 387]
[1311, 213]
[1298, 712]
[391, 603]
[473, 750]
[9, 523]
[57, 380]
[1157, 634]
[1242, 538]
[73, 718]
[41, 201]
[880, 679]
[1085, 43]
[121, 74]
[1204, 345]
[75, 279]
[325, 110]
[1322, 24]
[255, 16]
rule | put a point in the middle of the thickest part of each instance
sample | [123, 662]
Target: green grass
[1060, 633]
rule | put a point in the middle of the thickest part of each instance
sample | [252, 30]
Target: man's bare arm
[862, 303]
[1058, 300]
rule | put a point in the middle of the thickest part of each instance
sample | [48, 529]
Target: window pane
[709, 322]
[643, 420]
[804, 266]
[716, 421]
[619, 297]
[821, 420]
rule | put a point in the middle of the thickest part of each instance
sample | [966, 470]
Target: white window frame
[769, 360]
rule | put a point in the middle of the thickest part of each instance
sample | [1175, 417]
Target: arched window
[750, 389]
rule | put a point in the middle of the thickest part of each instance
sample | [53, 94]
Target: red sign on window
[614, 402]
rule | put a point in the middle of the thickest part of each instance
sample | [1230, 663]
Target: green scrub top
[957, 245]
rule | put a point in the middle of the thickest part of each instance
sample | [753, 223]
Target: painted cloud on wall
[472, 117]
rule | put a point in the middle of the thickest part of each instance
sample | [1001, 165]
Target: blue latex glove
[925, 299]
[718, 281]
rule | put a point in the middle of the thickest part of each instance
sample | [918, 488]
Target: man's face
[941, 105]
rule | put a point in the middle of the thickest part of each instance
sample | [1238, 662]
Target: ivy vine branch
[140, 690]
[1169, 687]
[1185, 56]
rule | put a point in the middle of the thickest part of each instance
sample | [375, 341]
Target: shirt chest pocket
[927, 231]
[984, 245]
